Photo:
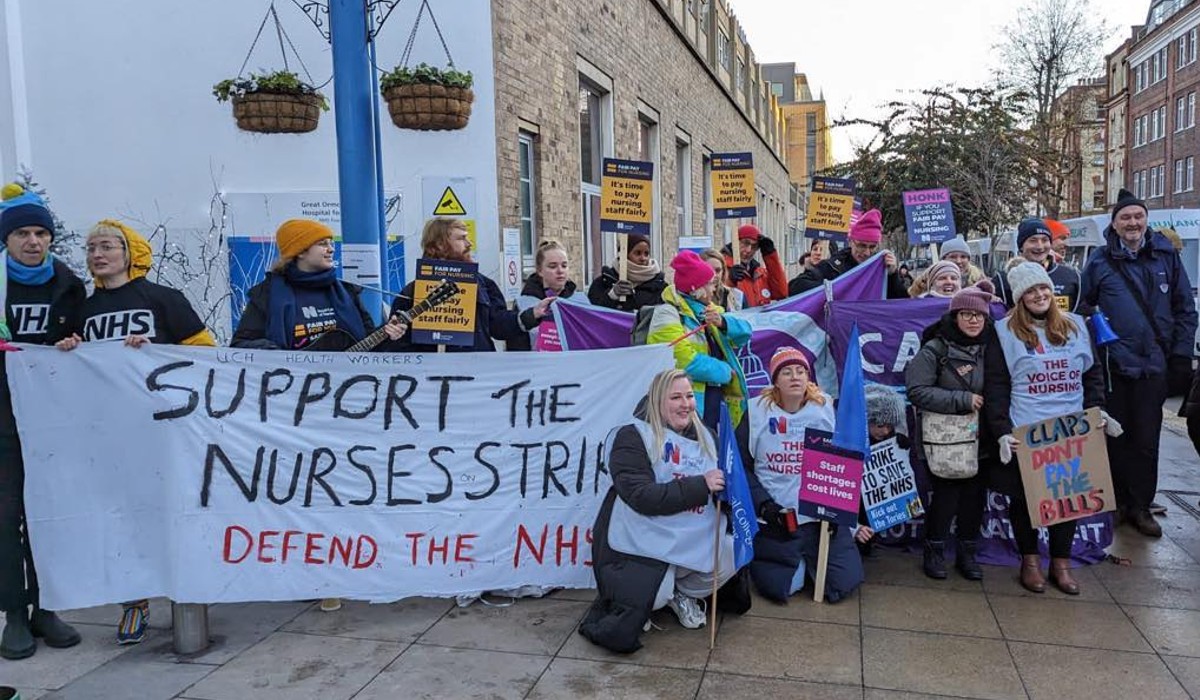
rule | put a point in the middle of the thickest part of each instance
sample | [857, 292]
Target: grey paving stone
[803, 607]
[572, 679]
[123, 678]
[939, 664]
[1096, 625]
[892, 567]
[530, 626]
[1187, 672]
[52, 669]
[928, 610]
[1051, 672]
[403, 621]
[441, 672]
[1002, 580]
[718, 686]
[1163, 588]
[1172, 632]
[807, 651]
[290, 666]
[232, 627]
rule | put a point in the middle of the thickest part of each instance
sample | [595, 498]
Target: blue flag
[737, 492]
[850, 431]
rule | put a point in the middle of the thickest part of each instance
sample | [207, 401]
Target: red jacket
[767, 282]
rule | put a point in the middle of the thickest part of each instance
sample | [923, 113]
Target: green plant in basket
[278, 83]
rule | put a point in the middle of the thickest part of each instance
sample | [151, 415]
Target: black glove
[771, 515]
[738, 272]
[766, 246]
[609, 275]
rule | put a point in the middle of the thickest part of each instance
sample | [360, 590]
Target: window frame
[527, 150]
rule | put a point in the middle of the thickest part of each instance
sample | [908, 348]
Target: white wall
[121, 121]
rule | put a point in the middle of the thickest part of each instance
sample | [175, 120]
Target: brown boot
[1031, 573]
[1060, 574]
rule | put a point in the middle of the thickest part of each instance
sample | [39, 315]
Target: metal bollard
[189, 623]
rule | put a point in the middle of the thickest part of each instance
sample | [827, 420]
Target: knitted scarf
[642, 273]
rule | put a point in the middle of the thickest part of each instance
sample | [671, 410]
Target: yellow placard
[732, 184]
[453, 321]
[626, 196]
[830, 212]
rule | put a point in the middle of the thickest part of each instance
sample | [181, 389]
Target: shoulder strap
[1119, 266]
[942, 350]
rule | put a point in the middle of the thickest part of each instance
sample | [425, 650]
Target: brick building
[1163, 80]
[668, 81]
[807, 144]
[1116, 110]
[1079, 134]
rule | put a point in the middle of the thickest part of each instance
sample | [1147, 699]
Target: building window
[1192, 36]
[1137, 132]
[1180, 114]
[1178, 175]
[1139, 78]
[1191, 109]
[723, 54]
[1153, 182]
[683, 187]
[777, 89]
[1186, 55]
[1137, 184]
[739, 78]
[648, 151]
[1190, 172]
[527, 198]
[706, 190]
[595, 142]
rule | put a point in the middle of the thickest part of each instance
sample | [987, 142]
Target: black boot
[53, 630]
[964, 560]
[18, 641]
[935, 559]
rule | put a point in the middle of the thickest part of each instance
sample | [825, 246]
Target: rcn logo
[670, 453]
[309, 311]
[778, 426]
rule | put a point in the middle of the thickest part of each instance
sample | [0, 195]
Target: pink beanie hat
[691, 272]
[868, 228]
[785, 356]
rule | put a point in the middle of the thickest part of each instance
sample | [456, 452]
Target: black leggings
[956, 497]
[1062, 535]
[18, 580]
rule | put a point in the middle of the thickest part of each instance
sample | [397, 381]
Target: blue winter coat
[1162, 282]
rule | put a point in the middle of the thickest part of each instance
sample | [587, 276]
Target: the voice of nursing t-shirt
[140, 307]
[777, 443]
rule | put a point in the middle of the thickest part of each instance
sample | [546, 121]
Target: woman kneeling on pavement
[653, 538]
[945, 383]
[1035, 334]
[787, 545]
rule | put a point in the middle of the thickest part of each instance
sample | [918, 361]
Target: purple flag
[797, 321]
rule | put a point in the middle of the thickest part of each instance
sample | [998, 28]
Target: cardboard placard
[732, 179]
[453, 322]
[830, 480]
[889, 488]
[1064, 468]
[929, 216]
[626, 196]
[829, 208]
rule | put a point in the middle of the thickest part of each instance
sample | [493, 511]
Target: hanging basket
[277, 113]
[429, 107]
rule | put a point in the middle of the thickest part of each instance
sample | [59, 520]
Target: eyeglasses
[103, 247]
[971, 315]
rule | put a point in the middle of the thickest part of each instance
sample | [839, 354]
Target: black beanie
[1125, 198]
[1028, 228]
[22, 215]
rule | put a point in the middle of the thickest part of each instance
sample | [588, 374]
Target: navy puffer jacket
[1158, 275]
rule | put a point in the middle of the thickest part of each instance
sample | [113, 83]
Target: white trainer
[690, 611]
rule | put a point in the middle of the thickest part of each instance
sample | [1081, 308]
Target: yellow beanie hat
[141, 256]
[295, 236]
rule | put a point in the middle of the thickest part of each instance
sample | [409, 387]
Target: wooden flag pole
[822, 564]
[712, 610]
[622, 257]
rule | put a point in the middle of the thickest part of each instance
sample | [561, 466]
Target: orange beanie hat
[295, 236]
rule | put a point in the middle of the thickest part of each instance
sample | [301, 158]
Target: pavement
[1134, 632]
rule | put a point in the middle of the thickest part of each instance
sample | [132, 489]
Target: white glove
[1008, 443]
[1112, 428]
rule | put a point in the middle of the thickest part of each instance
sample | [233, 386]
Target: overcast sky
[863, 53]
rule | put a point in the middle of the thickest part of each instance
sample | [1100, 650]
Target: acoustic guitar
[341, 341]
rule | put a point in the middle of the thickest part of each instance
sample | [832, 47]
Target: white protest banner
[222, 475]
[889, 489]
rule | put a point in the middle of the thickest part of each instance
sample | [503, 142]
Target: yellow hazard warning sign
[448, 205]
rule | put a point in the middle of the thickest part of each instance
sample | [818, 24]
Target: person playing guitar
[302, 298]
